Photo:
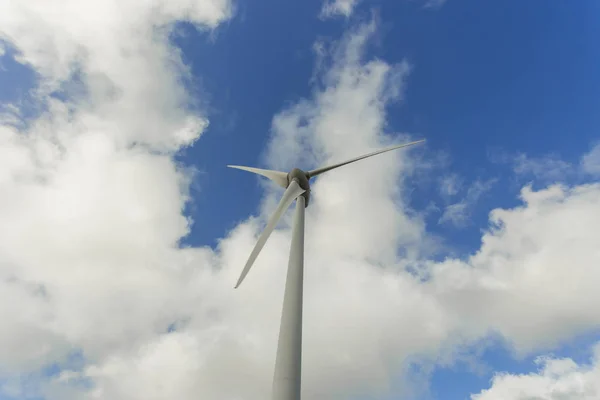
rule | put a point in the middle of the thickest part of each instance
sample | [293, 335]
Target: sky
[462, 268]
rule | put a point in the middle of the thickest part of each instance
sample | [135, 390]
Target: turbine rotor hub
[303, 181]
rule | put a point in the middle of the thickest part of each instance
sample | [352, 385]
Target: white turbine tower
[286, 380]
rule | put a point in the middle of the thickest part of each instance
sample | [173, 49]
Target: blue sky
[495, 77]
[505, 92]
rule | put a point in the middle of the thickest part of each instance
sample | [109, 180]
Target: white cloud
[347, 118]
[590, 162]
[91, 218]
[459, 213]
[533, 279]
[334, 8]
[10, 115]
[88, 243]
[338, 8]
[89, 259]
[549, 169]
[345, 8]
[450, 185]
[120, 52]
[557, 379]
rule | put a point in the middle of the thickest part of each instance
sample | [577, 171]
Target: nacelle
[302, 178]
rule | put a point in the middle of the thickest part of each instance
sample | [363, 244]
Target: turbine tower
[287, 377]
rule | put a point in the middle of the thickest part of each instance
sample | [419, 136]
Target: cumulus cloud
[92, 203]
[557, 379]
[90, 196]
[114, 59]
[92, 209]
[533, 278]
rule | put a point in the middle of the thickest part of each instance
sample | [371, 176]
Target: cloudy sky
[465, 268]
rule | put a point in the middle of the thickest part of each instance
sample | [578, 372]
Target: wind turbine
[286, 380]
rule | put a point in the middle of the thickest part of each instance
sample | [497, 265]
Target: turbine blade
[318, 171]
[278, 177]
[294, 190]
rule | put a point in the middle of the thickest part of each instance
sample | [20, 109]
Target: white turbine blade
[294, 190]
[278, 177]
[318, 171]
